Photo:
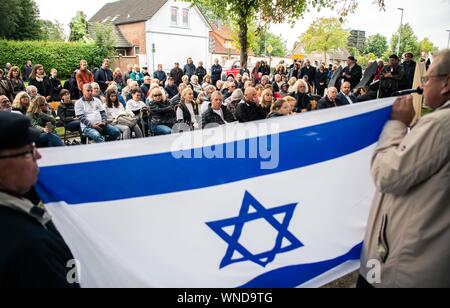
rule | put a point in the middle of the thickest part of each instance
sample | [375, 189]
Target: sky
[430, 20]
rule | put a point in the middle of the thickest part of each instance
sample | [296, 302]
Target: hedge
[64, 56]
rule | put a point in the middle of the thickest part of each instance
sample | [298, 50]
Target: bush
[64, 56]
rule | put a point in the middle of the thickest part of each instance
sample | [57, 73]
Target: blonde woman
[187, 109]
[291, 84]
[292, 102]
[265, 102]
[302, 96]
[21, 103]
[163, 114]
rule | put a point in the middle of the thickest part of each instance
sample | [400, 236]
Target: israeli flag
[277, 203]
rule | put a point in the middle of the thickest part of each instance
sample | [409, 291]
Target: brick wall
[135, 34]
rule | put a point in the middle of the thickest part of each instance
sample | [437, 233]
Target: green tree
[52, 31]
[427, 46]
[19, 20]
[277, 43]
[324, 35]
[105, 42]
[376, 44]
[408, 41]
[78, 28]
[244, 12]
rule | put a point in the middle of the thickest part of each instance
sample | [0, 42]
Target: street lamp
[448, 42]
[400, 33]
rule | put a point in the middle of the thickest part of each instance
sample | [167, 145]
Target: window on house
[174, 16]
[137, 50]
[185, 18]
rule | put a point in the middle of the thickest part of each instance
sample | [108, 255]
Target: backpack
[126, 118]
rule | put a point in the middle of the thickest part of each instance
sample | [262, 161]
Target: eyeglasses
[157, 95]
[27, 154]
[425, 79]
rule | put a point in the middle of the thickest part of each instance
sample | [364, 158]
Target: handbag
[126, 118]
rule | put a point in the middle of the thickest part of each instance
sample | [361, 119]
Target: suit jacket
[355, 75]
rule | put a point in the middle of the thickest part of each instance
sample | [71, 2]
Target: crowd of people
[107, 105]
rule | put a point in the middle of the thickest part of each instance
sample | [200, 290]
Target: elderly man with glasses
[33, 253]
[408, 233]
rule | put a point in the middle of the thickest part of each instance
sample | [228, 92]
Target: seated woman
[40, 80]
[280, 108]
[42, 119]
[292, 102]
[162, 113]
[187, 110]
[15, 78]
[196, 86]
[265, 103]
[113, 109]
[302, 96]
[139, 108]
[21, 103]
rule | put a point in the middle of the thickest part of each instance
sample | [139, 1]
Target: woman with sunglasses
[42, 119]
[162, 113]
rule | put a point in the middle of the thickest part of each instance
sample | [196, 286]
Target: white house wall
[175, 43]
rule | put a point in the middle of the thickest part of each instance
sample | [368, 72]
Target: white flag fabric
[234, 206]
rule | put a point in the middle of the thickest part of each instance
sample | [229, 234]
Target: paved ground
[346, 282]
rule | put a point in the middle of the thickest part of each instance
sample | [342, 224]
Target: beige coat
[409, 225]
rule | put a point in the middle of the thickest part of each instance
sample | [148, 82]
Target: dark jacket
[6, 89]
[27, 71]
[389, 85]
[216, 73]
[161, 76]
[44, 87]
[326, 103]
[171, 91]
[201, 73]
[34, 255]
[247, 112]
[343, 99]
[265, 70]
[176, 74]
[310, 72]
[66, 112]
[162, 113]
[17, 85]
[210, 117]
[409, 69]
[274, 115]
[102, 76]
[56, 89]
[189, 69]
[144, 90]
[72, 86]
[355, 73]
[303, 101]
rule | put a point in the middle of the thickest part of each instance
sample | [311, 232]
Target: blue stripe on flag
[296, 275]
[162, 173]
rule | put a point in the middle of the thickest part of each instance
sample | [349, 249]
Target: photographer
[92, 115]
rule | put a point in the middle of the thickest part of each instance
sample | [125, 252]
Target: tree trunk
[243, 41]
[325, 57]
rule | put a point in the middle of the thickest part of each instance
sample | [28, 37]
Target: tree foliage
[324, 35]
[105, 39]
[376, 44]
[78, 28]
[408, 41]
[268, 39]
[19, 20]
[265, 12]
[427, 46]
[52, 31]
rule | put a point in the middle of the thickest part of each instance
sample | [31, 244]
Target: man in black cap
[33, 253]
[390, 77]
[352, 72]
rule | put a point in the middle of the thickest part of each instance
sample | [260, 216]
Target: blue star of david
[264, 258]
